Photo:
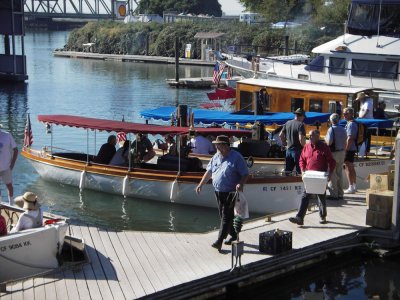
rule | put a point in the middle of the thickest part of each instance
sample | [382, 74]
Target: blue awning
[380, 123]
[211, 116]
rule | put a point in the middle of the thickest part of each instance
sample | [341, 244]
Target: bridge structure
[77, 9]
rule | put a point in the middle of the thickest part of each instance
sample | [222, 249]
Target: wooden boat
[32, 251]
[172, 179]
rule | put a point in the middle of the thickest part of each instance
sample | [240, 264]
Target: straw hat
[222, 139]
[28, 201]
[299, 112]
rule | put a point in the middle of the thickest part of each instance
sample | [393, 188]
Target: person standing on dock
[316, 156]
[229, 173]
[351, 149]
[8, 156]
[336, 139]
[293, 136]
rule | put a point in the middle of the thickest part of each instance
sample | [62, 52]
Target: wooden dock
[133, 264]
[133, 58]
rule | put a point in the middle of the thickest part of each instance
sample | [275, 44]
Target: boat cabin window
[375, 69]
[316, 65]
[364, 18]
[246, 100]
[296, 103]
[337, 65]
[263, 102]
[315, 105]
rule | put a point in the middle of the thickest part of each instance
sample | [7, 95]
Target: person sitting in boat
[169, 146]
[106, 151]
[143, 148]
[3, 223]
[33, 215]
[121, 157]
[201, 145]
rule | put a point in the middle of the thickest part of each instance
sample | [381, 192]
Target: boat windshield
[364, 17]
[317, 64]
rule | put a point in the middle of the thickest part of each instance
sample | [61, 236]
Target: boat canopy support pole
[87, 146]
[396, 198]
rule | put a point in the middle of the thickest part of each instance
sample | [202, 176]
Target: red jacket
[317, 158]
[3, 226]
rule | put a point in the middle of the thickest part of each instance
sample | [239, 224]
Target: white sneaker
[350, 190]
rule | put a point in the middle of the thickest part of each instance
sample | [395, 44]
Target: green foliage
[210, 7]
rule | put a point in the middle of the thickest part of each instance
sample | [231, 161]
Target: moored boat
[32, 251]
[171, 179]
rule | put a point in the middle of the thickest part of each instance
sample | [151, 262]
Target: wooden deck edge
[267, 269]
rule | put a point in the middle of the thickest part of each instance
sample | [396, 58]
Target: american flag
[28, 137]
[121, 137]
[218, 70]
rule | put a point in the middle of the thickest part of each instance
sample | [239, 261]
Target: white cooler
[315, 182]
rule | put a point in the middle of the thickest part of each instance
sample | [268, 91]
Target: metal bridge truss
[80, 9]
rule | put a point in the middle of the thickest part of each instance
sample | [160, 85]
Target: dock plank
[112, 253]
[70, 284]
[106, 264]
[61, 288]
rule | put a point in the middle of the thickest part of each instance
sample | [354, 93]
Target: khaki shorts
[5, 176]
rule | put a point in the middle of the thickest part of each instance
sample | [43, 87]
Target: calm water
[100, 89]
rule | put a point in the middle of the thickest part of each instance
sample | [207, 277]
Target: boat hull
[31, 252]
[264, 194]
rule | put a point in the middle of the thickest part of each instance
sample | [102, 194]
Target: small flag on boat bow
[28, 137]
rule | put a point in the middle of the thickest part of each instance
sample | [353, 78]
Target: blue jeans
[305, 199]
[226, 204]
[292, 160]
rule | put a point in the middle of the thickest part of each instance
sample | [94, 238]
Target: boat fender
[174, 191]
[82, 180]
[125, 185]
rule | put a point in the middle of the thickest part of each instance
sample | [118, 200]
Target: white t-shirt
[202, 145]
[25, 222]
[367, 105]
[7, 145]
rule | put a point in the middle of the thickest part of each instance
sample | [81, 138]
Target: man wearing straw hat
[33, 215]
[229, 173]
[8, 156]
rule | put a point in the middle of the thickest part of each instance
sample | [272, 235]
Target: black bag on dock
[275, 241]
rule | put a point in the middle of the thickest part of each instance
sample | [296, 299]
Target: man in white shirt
[33, 215]
[202, 145]
[8, 156]
[366, 106]
[366, 112]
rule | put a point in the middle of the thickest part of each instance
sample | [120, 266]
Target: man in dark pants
[293, 136]
[316, 156]
[229, 173]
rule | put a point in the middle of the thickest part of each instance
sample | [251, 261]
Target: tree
[210, 7]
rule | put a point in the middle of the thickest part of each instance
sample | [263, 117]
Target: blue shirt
[340, 136]
[351, 130]
[227, 171]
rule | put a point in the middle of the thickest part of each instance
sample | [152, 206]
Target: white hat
[28, 201]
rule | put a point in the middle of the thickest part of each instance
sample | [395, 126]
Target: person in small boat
[106, 151]
[33, 215]
[351, 149]
[315, 156]
[201, 144]
[293, 136]
[379, 112]
[3, 223]
[229, 173]
[143, 148]
[169, 145]
[336, 138]
[8, 156]
[121, 157]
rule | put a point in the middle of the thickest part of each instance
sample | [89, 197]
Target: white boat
[265, 194]
[367, 55]
[30, 252]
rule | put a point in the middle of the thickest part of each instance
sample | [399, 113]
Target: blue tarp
[211, 116]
